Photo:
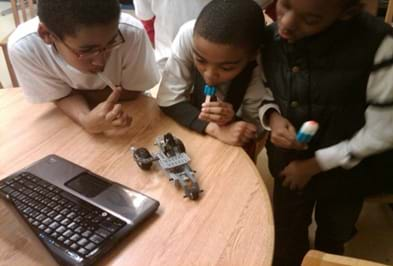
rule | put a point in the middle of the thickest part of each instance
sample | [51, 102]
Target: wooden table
[231, 224]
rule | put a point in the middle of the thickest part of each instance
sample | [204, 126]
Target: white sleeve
[139, 67]
[256, 94]
[266, 104]
[38, 83]
[143, 9]
[177, 76]
[376, 135]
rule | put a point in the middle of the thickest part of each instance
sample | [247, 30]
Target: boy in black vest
[219, 49]
[326, 61]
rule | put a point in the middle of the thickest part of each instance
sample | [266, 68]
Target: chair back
[22, 10]
[318, 258]
[389, 13]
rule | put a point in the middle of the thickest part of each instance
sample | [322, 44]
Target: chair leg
[11, 71]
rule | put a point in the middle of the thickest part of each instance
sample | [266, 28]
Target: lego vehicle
[173, 159]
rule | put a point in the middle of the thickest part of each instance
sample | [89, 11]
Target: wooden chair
[318, 258]
[389, 13]
[381, 199]
[22, 10]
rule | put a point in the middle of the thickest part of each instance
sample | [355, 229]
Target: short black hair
[234, 22]
[64, 17]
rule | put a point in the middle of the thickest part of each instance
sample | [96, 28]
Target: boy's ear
[45, 34]
[352, 11]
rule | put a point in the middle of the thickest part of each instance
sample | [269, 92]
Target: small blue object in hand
[209, 91]
[307, 131]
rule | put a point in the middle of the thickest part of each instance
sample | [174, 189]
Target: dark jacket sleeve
[187, 115]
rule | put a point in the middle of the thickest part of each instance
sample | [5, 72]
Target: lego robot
[173, 159]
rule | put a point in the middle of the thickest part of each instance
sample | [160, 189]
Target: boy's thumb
[114, 97]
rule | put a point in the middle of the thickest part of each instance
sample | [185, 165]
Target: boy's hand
[108, 117]
[217, 112]
[297, 174]
[237, 133]
[283, 134]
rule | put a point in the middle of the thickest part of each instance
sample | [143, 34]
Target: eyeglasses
[114, 44]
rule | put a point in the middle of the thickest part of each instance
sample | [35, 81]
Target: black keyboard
[70, 222]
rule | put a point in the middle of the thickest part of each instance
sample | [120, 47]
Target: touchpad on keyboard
[87, 185]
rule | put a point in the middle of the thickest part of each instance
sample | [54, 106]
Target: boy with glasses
[58, 56]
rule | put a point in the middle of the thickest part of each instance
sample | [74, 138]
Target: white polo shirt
[44, 75]
[170, 16]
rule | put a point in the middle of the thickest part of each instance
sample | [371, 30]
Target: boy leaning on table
[57, 57]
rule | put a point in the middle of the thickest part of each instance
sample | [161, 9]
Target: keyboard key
[79, 230]
[90, 246]
[61, 229]
[87, 233]
[66, 221]
[72, 225]
[47, 221]
[96, 239]
[82, 242]
[75, 237]
[82, 251]
[54, 225]
[102, 232]
[55, 235]
[68, 233]
[7, 190]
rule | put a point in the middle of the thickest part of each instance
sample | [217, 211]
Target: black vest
[324, 78]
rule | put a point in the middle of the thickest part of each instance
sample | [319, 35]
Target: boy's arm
[75, 107]
[187, 115]
[143, 11]
[267, 106]
[258, 98]
[107, 117]
[376, 135]
[177, 81]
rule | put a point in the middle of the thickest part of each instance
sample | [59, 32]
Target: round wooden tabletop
[231, 223]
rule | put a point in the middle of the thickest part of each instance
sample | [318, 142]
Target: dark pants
[292, 215]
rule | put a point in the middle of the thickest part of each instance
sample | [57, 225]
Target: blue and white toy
[307, 131]
[209, 91]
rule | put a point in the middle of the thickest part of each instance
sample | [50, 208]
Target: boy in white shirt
[163, 18]
[58, 55]
[218, 49]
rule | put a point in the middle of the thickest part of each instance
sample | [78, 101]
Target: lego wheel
[180, 145]
[193, 195]
[140, 155]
